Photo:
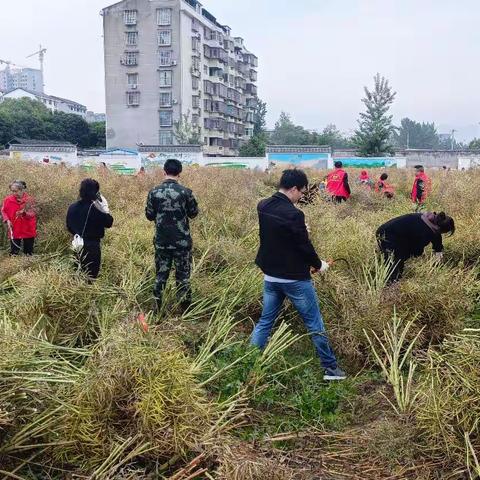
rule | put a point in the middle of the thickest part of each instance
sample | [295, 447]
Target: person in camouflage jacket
[171, 205]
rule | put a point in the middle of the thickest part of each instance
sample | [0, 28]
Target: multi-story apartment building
[26, 78]
[168, 58]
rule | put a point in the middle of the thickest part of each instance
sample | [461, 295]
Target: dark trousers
[338, 199]
[90, 258]
[164, 260]
[16, 244]
[392, 257]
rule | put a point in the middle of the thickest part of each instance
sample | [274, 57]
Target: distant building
[167, 58]
[55, 104]
[27, 78]
[92, 117]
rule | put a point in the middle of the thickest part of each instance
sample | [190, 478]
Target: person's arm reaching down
[149, 209]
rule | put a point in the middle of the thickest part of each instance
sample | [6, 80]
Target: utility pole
[453, 138]
[408, 139]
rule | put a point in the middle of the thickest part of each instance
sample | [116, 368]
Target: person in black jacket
[407, 236]
[88, 218]
[287, 258]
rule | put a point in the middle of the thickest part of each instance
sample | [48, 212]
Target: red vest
[335, 184]
[24, 225]
[383, 187]
[426, 186]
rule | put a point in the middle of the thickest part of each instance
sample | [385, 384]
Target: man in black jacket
[287, 258]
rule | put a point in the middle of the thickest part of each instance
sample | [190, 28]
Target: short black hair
[383, 176]
[173, 167]
[420, 168]
[338, 164]
[293, 178]
[89, 189]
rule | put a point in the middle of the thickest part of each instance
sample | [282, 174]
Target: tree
[255, 147]
[97, 134]
[287, 133]
[373, 137]
[332, 136]
[31, 119]
[25, 118]
[186, 132]
[71, 128]
[474, 144]
[260, 118]
[412, 134]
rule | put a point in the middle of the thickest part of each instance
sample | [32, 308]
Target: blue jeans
[304, 298]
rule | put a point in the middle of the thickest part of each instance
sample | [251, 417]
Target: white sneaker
[332, 374]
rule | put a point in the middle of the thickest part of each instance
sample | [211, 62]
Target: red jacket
[22, 216]
[336, 183]
[425, 187]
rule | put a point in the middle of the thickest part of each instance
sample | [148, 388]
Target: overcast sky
[315, 55]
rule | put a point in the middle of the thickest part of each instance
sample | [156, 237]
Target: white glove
[325, 266]
[102, 205]
[439, 256]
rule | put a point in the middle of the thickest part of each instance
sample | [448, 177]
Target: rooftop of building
[47, 97]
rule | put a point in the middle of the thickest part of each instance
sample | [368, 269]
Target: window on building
[196, 63]
[164, 16]
[131, 38]
[205, 69]
[133, 99]
[195, 83]
[165, 138]
[166, 118]
[196, 44]
[195, 101]
[165, 99]
[165, 58]
[196, 120]
[131, 58]
[130, 17]
[165, 78]
[132, 79]
[164, 37]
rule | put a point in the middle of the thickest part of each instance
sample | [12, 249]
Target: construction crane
[41, 56]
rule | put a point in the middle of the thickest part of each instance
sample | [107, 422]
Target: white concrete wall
[54, 158]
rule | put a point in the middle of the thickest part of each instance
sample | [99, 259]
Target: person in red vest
[337, 184]
[383, 187]
[421, 187]
[19, 214]
[364, 179]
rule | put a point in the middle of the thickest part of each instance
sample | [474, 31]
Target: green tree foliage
[186, 132]
[287, 133]
[412, 134]
[30, 119]
[98, 134]
[260, 121]
[256, 146]
[474, 144]
[333, 137]
[375, 128]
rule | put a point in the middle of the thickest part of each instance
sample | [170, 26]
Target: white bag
[78, 242]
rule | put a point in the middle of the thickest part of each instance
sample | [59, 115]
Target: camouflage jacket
[171, 205]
